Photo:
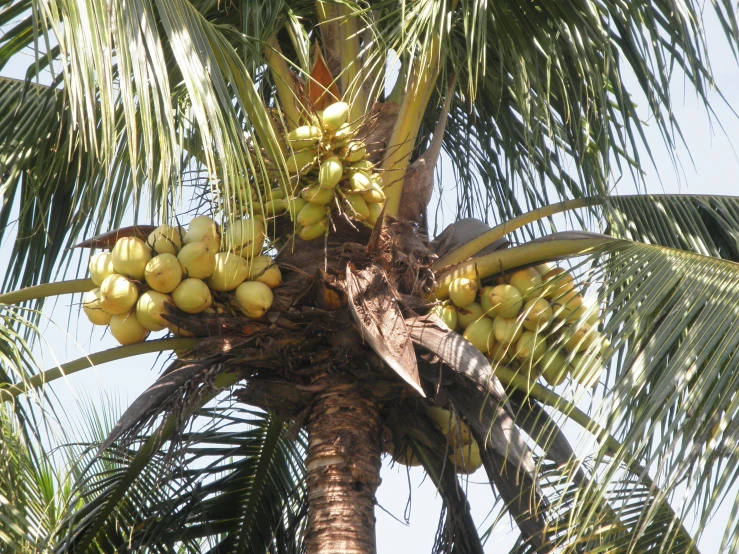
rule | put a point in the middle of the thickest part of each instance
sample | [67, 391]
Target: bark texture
[343, 469]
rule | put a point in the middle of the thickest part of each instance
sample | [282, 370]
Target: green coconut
[506, 331]
[304, 136]
[310, 214]
[469, 314]
[357, 207]
[245, 237]
[330, 172]
[480, 334]
[335, 115]
[318, 195]
[314, 231]
[447, 313]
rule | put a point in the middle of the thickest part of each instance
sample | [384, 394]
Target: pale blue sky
[713, 170]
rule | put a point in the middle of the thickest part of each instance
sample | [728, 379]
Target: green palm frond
[235, 482]
[707, 225]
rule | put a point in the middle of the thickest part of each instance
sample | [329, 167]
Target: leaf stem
[8, 393]
[475, 245]
[527, 254]
[47, 289]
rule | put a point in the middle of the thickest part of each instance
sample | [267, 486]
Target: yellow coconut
[467, 459]
[101, 265]
[357, 207]
[568, 306]
[360, 181]
[304, 136]
[463, 291]
[335, 115]
[127, 329]
[506, 330]
[254, 298]
[577, 341]
[504, 300]
[343, 134]
[92, 309]
[118, 294]
[192, 296]
[407, 458]
[318, 195]
[501, 353]
[373, 196]
[203, 229]
[295, 206]
[149, 310]
[469, 314]
[231, 270]
[314, 231]
[558, 281]
[447, 313]
[586, 369]
[130, 256]
[544, 268]
[481, 334]
[197, 260]
[354, 151]
[330, 172]
[310, 214]
[537, 313]
[553, 367]
[272, 277]
[527, 281]
[165, 240]
[163, 273]
[245, 237]
[530, 346]
[374, 212]
[455, 430]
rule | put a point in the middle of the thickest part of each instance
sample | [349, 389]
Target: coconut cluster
[534, 320]
[182, 267]
[464, 452]
[329, 170]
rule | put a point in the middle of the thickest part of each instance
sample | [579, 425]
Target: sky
[711, 168]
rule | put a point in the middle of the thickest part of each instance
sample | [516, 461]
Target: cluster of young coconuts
[330, 168]
[137, 278]
[535, 320]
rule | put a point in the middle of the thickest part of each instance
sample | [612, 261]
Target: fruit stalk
[48, 289]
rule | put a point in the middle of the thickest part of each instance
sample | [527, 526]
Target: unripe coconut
[544, 268]
[318, 195]
[362, 165]
[165, 240]
[127, 329]
[343, 133]
[149, 310]
[360, 181]
[469, 314]
[527, 281]
[254, 298]
[586, 369]
[577, 341]
[506, 330]
[504, 300]
[163, 273]
[530, 346]
[455, 430]
[373, 196]
[203, 229]
[92, 309]
[335, 115]
[447, 313]
[272, 207]
[198, 260]
[463, 291]
[330, 172]
[480, 334]
[130, 256]
[591, 310]
[567, 306]
[558, 282]
[245, 236]
[500, 353]
[537, 313]
[375, 210]
[301, 161]
[553, 367]
[354, 151]
[230, 271]
[304, 136]
[357, 207]
[467, 459]
[314, 231]
[294, 206]
[101, 265]
[192, 296]
[310, 214]
[118, 295]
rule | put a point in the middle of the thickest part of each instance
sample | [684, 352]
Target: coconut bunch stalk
[534, 321]
[185, 268]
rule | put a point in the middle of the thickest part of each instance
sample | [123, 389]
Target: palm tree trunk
[343, 467]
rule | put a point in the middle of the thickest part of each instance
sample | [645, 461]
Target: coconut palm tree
[266, 433]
